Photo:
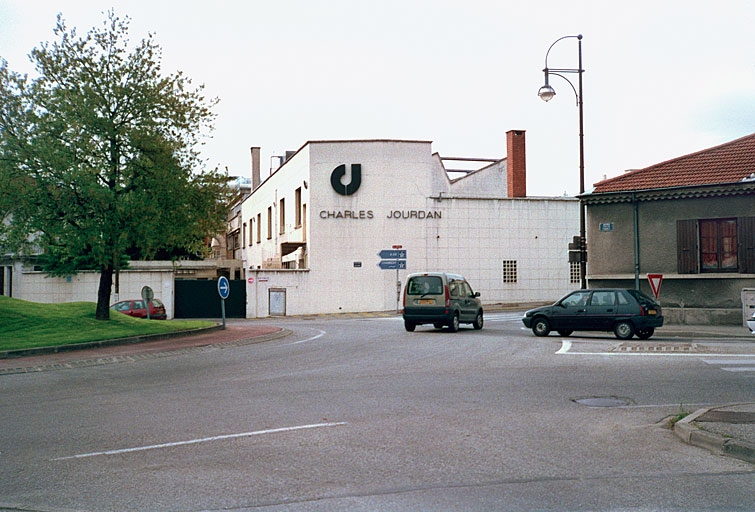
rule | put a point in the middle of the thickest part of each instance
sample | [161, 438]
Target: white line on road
[733, 361]
[322, 333]
[203, 440]
[567, 345]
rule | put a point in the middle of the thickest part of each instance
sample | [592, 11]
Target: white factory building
[314, 230]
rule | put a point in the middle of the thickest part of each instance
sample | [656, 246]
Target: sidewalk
[726, 430]
[131, 349]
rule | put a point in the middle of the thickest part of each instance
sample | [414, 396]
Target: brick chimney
[516, 163]
[255, 167]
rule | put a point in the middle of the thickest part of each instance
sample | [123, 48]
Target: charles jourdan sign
[347, 189]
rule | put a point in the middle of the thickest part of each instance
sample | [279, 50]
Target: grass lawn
[26, 325]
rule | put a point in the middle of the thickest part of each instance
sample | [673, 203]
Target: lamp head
[546, 92]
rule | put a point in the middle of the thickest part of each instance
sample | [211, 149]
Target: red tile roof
[727, 163]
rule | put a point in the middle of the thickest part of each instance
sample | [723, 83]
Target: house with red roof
[690, 219]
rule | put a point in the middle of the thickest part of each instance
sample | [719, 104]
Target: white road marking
[567, 345]
[322, 333]
[725, 362]
[203, 440]
[733, 361]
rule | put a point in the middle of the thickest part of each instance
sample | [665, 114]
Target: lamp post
[547, 93]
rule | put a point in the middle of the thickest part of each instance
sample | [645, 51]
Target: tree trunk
[103, 293]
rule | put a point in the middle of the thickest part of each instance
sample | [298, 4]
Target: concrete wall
[705, 298]
[82, 287]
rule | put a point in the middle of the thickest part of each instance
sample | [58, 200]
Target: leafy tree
[98, 155]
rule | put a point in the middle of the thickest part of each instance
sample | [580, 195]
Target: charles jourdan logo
[346, 189]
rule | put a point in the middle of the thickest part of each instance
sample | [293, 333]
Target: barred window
[509, 271]
[574, 272]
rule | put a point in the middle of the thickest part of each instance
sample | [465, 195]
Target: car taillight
[642, 310]
[448, 296]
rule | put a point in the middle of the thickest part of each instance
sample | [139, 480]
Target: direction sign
[224, 287]
[655, 283]
[392, 264]
[392, 254]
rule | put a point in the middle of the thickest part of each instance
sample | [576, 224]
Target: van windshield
[425, 285]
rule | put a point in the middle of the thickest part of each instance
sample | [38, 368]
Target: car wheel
[453, 325]
[644, 334]
[409, 326]
[541, 327]
[477, 324]
[623, 330]
[564, 332]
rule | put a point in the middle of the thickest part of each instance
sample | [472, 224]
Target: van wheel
[623, 330]
[409, 326]
[541, 327]
[453, 325]
[477, 324]
[644, 334]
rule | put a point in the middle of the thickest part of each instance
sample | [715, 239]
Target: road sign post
[224, 289]
[394, 258]
[147, 295]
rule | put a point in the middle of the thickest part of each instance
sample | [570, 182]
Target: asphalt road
[357, 414]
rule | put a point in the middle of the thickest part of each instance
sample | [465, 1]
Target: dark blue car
[625, 312]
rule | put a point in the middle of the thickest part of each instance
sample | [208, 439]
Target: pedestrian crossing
[743, 365]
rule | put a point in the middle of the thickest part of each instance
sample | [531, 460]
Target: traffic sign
[147, 293]
[392, 264]
[655, 283]
[224, 287]
[392, 254]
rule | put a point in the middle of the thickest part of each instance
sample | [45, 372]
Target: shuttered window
[716, 245]
[686, 246]
[747, 245]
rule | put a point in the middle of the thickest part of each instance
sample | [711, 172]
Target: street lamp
[546, 92]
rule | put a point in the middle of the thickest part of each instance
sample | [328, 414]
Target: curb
[692, 434]
[9, 354]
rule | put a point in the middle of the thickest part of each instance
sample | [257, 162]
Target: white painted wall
[82, 287]
[468, 226]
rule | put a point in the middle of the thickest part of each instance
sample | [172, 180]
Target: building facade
[690, 219]
[339, 225]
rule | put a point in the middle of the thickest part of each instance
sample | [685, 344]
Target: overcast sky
[663, 78]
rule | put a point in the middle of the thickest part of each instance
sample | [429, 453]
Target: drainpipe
[635, 205]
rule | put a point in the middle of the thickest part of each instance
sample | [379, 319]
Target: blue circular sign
[224, 287]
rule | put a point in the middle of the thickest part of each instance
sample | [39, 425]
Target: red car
[136, 309]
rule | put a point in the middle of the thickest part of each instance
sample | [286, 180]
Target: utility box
[748, 305]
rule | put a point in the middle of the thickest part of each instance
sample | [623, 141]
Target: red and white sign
[655, 283]
[250, 280]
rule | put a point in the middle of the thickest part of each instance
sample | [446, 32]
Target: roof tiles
[728, 163]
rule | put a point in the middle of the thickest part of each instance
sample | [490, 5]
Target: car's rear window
[641, 297]
[425, 285]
